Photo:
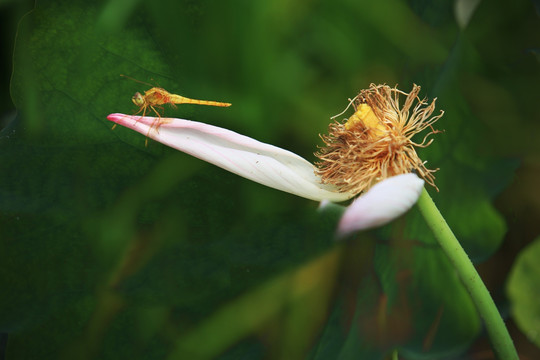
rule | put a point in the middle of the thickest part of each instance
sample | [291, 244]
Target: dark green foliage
[113, 250]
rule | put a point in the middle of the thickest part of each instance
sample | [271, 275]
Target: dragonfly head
[138, 99]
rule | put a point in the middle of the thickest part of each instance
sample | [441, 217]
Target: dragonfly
[156, 97]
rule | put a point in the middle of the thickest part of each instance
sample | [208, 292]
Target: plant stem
[500, 338]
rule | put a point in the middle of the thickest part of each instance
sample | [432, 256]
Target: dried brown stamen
[376, 141]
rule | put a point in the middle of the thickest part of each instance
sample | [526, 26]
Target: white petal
[239, 154]
[384, 202]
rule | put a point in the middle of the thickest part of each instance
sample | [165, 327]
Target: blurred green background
[113, 250]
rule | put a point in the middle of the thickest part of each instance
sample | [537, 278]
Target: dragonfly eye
[138, 99]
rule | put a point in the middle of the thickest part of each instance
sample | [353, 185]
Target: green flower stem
[500, 338]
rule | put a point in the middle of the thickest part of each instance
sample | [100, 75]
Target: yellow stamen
[364, 116]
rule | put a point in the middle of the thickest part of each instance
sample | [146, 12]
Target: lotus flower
[370, 156]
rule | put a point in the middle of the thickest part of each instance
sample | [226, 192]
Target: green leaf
[295, 302]
[405, 295]
[469, 176]
[523, 290]
[428, 309]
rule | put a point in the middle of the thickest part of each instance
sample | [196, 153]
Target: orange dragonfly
[156, 97]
